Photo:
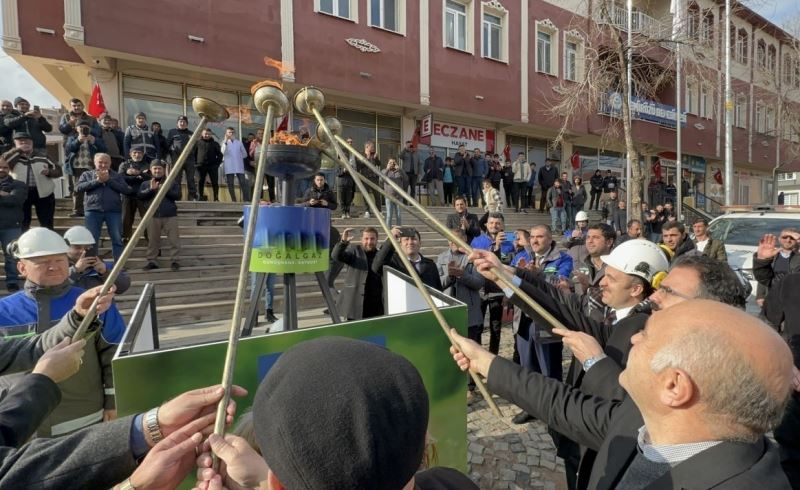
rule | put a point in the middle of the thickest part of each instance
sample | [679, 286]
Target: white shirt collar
[622, 313]
[670, 453]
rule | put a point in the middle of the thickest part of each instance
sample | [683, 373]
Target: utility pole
[729, 200]
[676, 26]
[629, 157]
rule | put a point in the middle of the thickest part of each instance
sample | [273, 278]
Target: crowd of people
[670, 383]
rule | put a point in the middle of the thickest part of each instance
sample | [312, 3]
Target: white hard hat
[38, 242]
[79, 235]
[640, 258]
[581, 216]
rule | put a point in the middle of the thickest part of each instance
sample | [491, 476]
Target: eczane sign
[452, 135]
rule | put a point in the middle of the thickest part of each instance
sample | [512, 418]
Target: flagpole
[729, 201]
[629, 157]
[678, 93]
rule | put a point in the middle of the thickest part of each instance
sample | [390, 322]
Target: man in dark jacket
[139, 135]
[12, 196]
[547, 176]
[610, 183]
[113, 140]
[675, 238]
[462, 171]
[159, 140]
[409, 239]
[103, 190]
[596, 183]
[68, 124]
[166, 218]
[362, 293]
[135, 171]
[433, 172]
[688, 422]
[6, 133]
[480, 169]
[320, 195]
[772, 262]
[207, 157]
[176, 141]
[80, 148]
[463, 220]
[25, 120]
[409, 158]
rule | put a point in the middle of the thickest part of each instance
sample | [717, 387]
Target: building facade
[486, 70]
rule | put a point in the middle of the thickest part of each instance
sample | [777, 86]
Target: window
[760, 116]
[772, 54]
[707, 27]
[543, 43]
[761, 54]
[571, 61]
[346, 9]
[769, 122]
[693, 22]
[494, 31]
[704, 103]
[691, 97]
[387, 14]
[739, 39]
[740, 111]
[787, 176]
[491, 36]
[546, 47]
[456, 20]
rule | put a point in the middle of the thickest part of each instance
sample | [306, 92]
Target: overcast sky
[17, 81]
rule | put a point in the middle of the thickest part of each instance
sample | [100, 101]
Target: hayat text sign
[452, 135]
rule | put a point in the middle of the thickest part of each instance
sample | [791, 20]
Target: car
[742, 229]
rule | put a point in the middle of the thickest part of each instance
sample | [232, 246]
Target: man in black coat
[362, 293]
[410, 244]
[776, 257]
[464, 220]
[176, 142]
[693, 420]
[207, 157]
[25, 120]
[548, 175]
[320, 195]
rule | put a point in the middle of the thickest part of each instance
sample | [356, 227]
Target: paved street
[507, 456]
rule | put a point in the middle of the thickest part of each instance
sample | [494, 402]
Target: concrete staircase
[200, 296]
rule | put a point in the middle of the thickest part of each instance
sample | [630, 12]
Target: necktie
[610, 318]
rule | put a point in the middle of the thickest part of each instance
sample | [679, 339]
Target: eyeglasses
[669, 291]
[788, 237]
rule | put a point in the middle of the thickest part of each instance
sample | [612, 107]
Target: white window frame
[740, 111]
[469, 25]
[353, 10]
[705, 101]
[760, 117]
[546, 26]
[690, 97]
[783, 175]
[575, 37]
[769, 120]
[400, 16]
[496, 9]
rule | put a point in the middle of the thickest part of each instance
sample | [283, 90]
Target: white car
[741, 231]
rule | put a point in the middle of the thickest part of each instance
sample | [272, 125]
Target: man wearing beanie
[325, 420]
[27, 120]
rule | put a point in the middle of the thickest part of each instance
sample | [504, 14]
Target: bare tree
[653, 55]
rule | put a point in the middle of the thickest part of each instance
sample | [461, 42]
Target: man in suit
[362, 293]
[463, 220]
[410, 242]
[692, 420]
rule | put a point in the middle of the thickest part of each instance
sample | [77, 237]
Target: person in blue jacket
[48, 295]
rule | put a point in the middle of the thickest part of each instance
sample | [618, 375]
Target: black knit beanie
[339, 413]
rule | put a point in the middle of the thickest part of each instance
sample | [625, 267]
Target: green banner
[145, 380]
[290, 239]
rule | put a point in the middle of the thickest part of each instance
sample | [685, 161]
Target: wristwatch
[588, 363]
[151, 425]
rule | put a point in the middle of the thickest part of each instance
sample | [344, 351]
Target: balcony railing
[641, 23]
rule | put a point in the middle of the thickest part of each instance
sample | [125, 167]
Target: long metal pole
[678, 105]
[629, 158]
[119, 264]
[412, 271]
[729, 200]
[244, 270]
[435, 224]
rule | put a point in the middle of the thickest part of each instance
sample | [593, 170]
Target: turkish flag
[507, 152]
[284, 125]
[415, 138]
[575, 160]
[657, 169]
[96, 105]
[718, 176]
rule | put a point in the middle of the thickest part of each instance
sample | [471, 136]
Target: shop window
[388, 14]
[458, 15]
[546, 47]
[345, 9]
[494, 31]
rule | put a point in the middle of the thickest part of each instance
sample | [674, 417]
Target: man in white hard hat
[48, 295]
[575, 239]
[86, 269]
[598, 347]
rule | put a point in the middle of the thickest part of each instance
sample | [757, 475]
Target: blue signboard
[642, 109]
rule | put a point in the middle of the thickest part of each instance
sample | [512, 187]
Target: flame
[287, 138]
[283, 69]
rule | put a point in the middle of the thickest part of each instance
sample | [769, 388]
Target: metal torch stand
[289, 282]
